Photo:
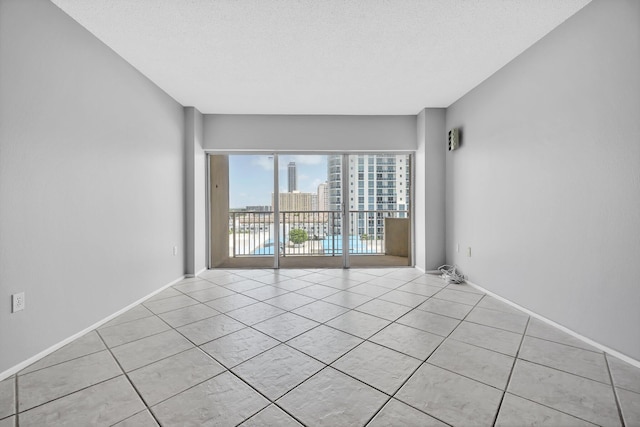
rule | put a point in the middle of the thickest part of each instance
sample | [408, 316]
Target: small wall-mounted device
[454, 139]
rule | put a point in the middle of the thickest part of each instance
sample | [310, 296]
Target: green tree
[298, 235]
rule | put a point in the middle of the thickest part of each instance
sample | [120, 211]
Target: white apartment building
[379, 186]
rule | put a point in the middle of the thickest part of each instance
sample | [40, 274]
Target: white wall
[545, 187]
[429, 189]
[309, 133]
[200, 188]
[435, 142]
[195, 204]
[91, 180]
[419, 194]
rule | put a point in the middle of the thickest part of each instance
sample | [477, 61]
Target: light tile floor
[376, 347]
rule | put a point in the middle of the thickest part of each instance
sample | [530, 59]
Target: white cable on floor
[451, 274]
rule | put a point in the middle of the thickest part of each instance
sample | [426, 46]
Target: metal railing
[308, 233]
[250, 233]
[368, 230]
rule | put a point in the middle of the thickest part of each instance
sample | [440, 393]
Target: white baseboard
[20, 366]
[420, 269]
[188, 276]
[574, 334]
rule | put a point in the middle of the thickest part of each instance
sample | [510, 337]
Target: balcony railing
[308, 233]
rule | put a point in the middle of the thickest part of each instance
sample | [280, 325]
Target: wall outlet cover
[17, 302]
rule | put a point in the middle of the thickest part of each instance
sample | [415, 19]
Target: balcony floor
[309, 261]
[325, 347]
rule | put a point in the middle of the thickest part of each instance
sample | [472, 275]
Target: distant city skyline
[376, 182]
[251, 177]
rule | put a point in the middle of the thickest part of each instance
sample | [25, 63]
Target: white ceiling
[319, 56]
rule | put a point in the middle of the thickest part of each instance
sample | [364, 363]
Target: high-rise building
[379, 186]
[323, 199]
[296, 201]
[293, 177]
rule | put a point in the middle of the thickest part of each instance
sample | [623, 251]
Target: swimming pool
[331, 245]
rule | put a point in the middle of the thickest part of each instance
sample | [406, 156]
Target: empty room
[319, 213]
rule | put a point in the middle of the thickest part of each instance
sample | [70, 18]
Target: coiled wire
[451, 274]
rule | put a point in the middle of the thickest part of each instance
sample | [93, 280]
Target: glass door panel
[378, 204]
[242, 216]
[309, 211]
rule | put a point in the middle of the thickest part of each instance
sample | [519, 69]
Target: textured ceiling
[319, 56]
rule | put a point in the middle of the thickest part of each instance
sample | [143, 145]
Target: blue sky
[251, 177]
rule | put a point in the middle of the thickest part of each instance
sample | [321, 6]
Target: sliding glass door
[309, 211]
[309, 221]
[242, 231]
[378, 201]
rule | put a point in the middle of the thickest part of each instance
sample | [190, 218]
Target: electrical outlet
[469, 252]
[17, 302]
[175, 250]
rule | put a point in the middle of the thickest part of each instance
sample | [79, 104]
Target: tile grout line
[357, 379]
[16, 403]
[516, 358]
[615, 392]
[59, 363]
[281, 343]
[291, 311]
[236, 375]
[131, 416]
[164, 358]
[66, 395]
[275, 403]
[495, 327]
[483, 325]
[273, 338]
[326, 366]
[441, 343]
[552, 408]
[216, 360]
[513, 366]
[314, 374]
[108, 349]
[73, 358]
[352, 309]
[195, 346]
[465, 376]
[132, 341]
[422, 364]
[556, 410]
[568, 345]
[565, 372]
[17, 409]
[186, 389]
[144, 402]
[480, 347]
[196, 321]
[125, 322]
[226, 370]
